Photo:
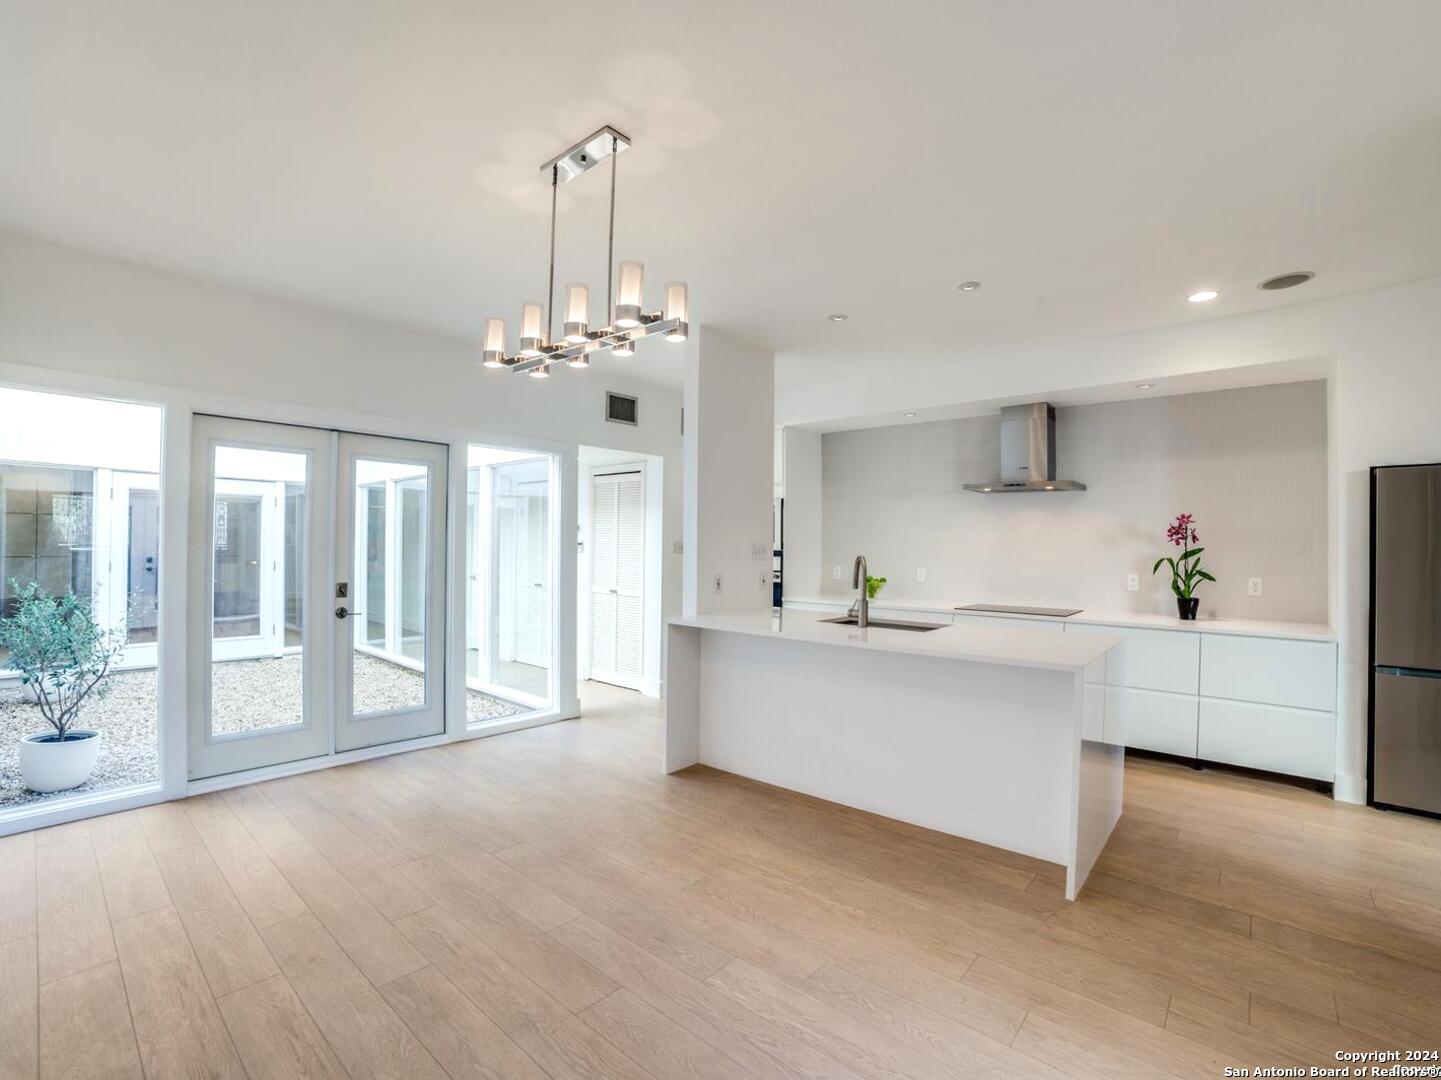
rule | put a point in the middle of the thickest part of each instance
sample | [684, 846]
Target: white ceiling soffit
[1091, 164]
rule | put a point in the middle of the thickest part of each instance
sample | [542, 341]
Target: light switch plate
[759, 551]
[677, 547]
[719, 582]
[835, 573]
[1253, 587]
[1133, 582]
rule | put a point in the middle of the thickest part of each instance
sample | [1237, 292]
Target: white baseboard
[1349, 789]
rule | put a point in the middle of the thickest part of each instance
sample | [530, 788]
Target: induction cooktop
[1010, 609]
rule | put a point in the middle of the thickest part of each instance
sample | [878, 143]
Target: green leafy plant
[1186, 572]
[62, 654]
[873, 586]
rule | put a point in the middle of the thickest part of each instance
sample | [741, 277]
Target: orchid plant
[1186, 572]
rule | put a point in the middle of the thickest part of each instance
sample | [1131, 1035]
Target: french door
[617, 576]
[303, 543]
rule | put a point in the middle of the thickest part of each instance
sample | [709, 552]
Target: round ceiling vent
[1287, 281]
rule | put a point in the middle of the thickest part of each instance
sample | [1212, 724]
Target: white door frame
[211, 755]
[371, 729]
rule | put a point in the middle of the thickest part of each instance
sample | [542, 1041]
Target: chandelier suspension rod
[550, 287]
[610, 242]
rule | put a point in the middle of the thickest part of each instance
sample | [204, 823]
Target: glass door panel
[257, 674]
[522, 557]
[390, 638]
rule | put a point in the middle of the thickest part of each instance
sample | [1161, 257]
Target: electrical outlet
[920, 577]
[719, 583]
[835, 573]
[1133, 582]
[1253, 587]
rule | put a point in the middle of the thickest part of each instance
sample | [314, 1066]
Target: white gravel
[248, 695]
[126, 716]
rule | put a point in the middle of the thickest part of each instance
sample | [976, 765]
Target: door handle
[345, 613]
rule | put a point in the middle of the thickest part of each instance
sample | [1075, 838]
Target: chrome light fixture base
[587, 154]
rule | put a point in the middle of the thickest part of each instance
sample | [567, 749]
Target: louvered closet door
[617, 578]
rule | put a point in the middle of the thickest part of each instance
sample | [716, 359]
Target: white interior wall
[662, 565]
[82, 323]
[1250, 464]
[729, 446]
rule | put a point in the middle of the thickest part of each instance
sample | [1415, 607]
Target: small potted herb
[64, 659]
[873, 586]
[1186, 572]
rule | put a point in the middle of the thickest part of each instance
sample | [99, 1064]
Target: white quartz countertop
[1013, 646]
[1136, 619]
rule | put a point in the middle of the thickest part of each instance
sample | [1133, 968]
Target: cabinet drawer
[1093, 712]
[1151, 720]
[1297, 742]
[1273, 671]
[1149, 659]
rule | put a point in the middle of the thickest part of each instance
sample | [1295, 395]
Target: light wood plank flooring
[547, 904]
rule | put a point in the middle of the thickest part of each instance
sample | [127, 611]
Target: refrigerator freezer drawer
[1407, 761]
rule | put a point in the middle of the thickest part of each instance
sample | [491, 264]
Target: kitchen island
[974, 731]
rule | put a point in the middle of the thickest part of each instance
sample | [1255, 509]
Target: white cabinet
[1151, 720]
[1093, 713]
[1299, 742]
[1273, 671]
[1261, 702]
[1149, 659]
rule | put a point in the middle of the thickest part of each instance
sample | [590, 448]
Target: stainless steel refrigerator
[1405, 722]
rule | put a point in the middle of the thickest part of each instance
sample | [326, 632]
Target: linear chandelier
[627, 321]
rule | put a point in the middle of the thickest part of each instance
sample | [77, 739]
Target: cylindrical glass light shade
[629, 294]
[494, 354]
[577, 313]
[532, 337]
[677, 307]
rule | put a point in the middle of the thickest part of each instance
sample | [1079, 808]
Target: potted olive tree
[64, 659]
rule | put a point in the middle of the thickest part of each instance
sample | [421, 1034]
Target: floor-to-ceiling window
[80, 500]
[510, 596]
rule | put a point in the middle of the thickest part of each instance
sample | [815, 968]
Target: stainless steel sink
[886, 624]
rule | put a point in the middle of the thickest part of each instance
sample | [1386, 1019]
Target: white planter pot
[47, 765]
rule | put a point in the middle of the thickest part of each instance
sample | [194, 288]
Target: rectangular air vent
[620, 409]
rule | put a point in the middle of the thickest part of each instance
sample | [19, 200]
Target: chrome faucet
[863, 602]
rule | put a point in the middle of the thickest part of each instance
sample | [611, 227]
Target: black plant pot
[1187, 606]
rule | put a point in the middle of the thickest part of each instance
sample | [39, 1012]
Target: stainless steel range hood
[1028, 452]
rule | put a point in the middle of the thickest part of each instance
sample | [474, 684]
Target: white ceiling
[1091, 163]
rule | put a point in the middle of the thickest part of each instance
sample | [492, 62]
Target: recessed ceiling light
[909, 415]
[838, 317]
[1203, 297]
[1287, 281]
[1145, 385]
[969, 286]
